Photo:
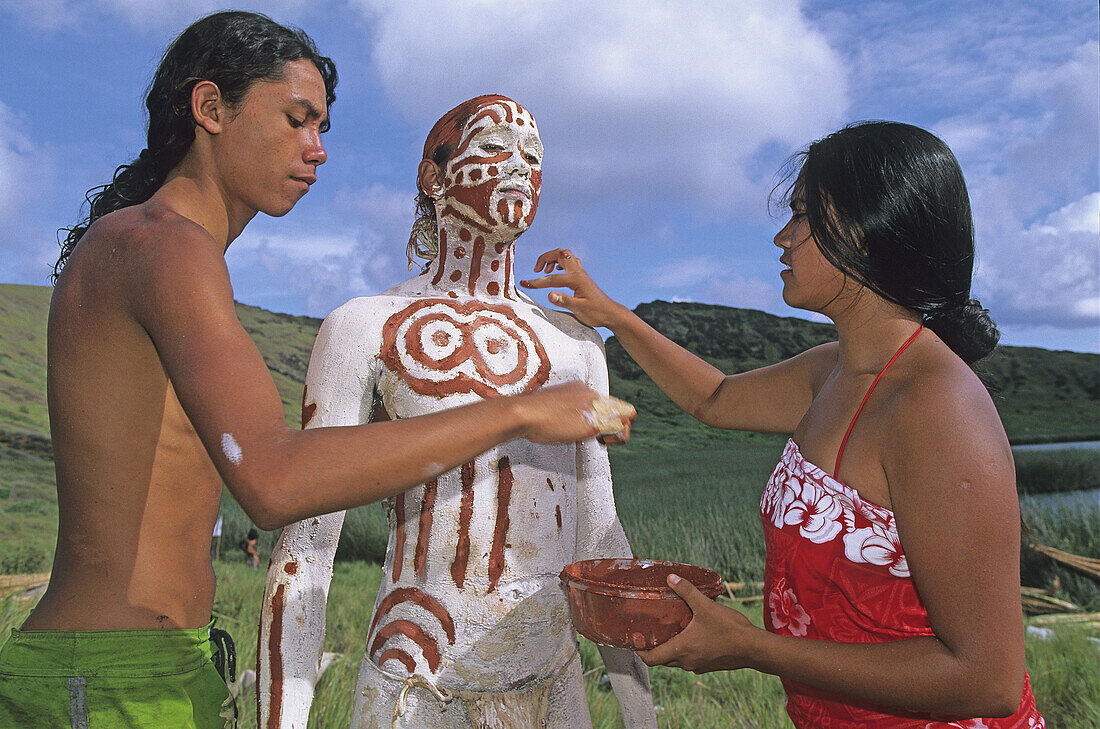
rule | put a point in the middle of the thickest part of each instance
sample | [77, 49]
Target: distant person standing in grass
[157, 395]
[248, 546]
[901, 564]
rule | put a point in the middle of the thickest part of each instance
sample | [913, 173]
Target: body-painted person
[892, 592]
[470, 628]
[157, 395]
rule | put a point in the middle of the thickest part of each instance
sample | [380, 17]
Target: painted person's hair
[887, 205]
[233, 49]
[439, 147]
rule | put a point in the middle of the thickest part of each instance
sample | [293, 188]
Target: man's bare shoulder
[145, 247]
[151, 226]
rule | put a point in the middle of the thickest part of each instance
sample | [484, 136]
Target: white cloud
[138, 14]
[20, 163]
[317, 270]
[1080, 216]
[704, 278]
[156, 14]
[310, 274]
[636, 101]
[1036, 207]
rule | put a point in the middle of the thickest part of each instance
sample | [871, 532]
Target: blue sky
[664, 125]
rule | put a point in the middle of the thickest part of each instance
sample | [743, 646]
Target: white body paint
[505, 607]
[231, 449]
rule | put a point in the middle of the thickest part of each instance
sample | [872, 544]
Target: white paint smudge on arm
[232, 449]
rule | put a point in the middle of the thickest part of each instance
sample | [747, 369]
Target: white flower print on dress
[773, 495]
[814, 510]
[786, 612]
[876, 545]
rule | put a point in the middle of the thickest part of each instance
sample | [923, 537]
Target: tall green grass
[1063, 669]
[1056, 471]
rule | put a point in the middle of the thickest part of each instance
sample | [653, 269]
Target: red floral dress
[835, 571]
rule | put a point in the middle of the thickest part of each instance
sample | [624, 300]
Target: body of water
[1087, 444]
[1088, 499]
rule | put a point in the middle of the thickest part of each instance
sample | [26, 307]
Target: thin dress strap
[902, 348]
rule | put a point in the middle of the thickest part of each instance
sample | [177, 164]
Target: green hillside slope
[1042, 395]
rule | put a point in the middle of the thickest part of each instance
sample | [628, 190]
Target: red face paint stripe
[465, 513]
[413, 632]
[449, 210]
[419, 597]
[408, 661]
[483, 159]
[291, 568]
[275, 661]
[488, 112]
[427, 506]
[475, 261]
[500, 531]
[471, 131]
[399, 538]
[557, 515]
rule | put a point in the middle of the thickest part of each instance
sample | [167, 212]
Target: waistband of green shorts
[118, 653]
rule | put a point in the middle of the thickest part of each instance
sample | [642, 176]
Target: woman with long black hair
[901, 561]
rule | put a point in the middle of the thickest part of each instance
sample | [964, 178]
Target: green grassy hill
[1041, 395]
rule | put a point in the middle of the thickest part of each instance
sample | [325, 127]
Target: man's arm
[183, 299]
[599, 534]
[338, 388]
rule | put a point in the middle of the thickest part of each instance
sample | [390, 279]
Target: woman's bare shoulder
[939, 406]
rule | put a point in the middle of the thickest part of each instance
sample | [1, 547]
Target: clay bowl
[626, 603]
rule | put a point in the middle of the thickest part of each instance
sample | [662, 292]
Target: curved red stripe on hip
[428, 647]
[408, 661]
[418, 597]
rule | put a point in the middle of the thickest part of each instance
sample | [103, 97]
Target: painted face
[496, 170]
[270, 146]
[809, 281]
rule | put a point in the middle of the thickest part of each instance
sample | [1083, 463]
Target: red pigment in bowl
[627, 603]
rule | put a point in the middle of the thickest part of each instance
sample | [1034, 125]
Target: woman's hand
[588, 303]
[716, 639]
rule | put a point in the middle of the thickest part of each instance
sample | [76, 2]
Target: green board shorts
[116, 679]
